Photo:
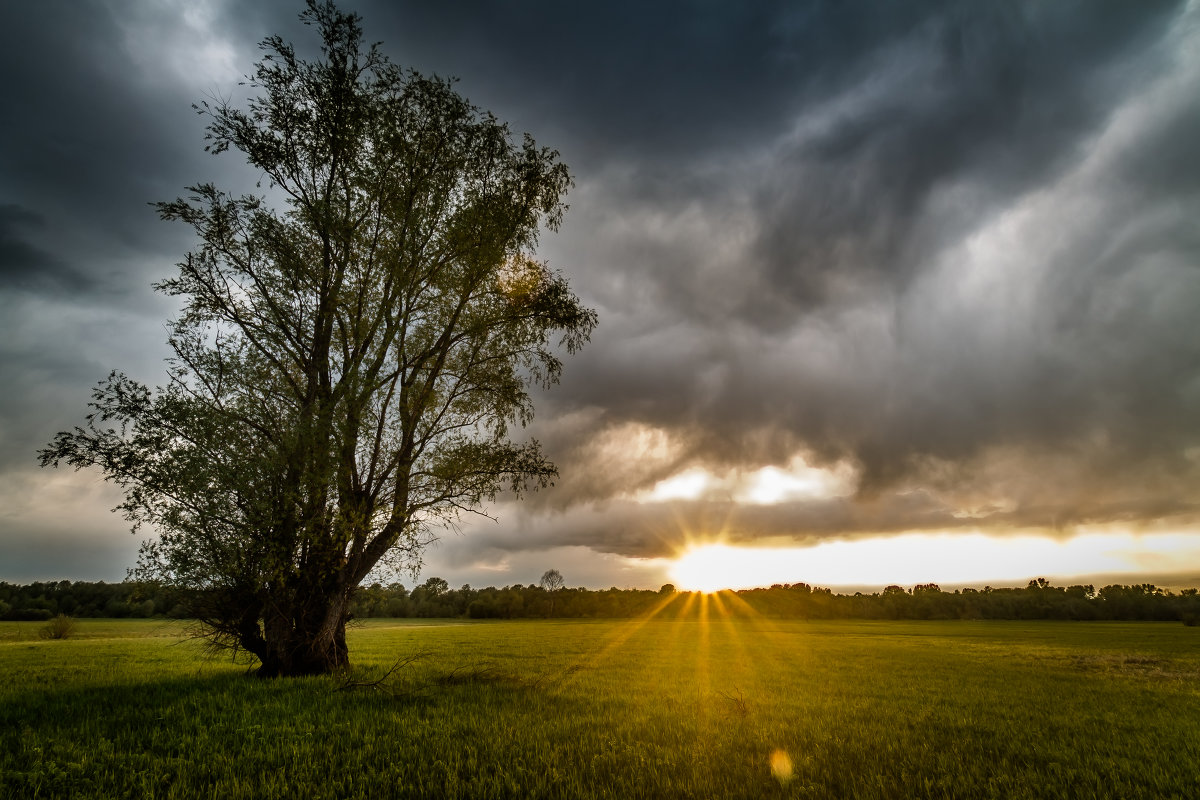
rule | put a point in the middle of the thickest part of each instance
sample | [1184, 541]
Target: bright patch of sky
[914, 558]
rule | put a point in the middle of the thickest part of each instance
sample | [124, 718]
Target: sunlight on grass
[703, 647]
[668, 705]
[622, 633]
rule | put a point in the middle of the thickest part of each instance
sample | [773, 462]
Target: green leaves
[346, 367]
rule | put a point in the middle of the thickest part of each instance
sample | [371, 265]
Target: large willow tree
[347, 369]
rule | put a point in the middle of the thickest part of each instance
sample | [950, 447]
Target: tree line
[436, 599]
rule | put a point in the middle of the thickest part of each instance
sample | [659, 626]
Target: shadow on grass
[164, 709]
[144, 737]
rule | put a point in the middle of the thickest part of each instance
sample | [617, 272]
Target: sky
[888, 292]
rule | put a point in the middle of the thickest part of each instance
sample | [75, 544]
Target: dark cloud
[949, 247]
[23, 264]
[995, 97]
[609, 80]
[850, 329]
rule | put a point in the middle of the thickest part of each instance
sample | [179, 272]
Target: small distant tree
[552, 581]
[346, 370]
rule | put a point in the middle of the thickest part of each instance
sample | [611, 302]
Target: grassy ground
[659, 708]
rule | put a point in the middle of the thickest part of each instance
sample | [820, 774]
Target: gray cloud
[851, 324]
[951, 245]
[26, 266]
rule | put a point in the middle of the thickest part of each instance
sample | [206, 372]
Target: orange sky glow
[954, 559]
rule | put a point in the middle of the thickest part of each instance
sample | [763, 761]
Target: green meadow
[657, 707]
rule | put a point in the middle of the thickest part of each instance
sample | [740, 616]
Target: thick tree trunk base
[301, 666]
[297, 655]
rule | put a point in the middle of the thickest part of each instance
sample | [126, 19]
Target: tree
[552, 581]
[346, 371]
[436, 587]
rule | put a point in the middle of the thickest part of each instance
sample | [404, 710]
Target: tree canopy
[347, 368]
[552, 580]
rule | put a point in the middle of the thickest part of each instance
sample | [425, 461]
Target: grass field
[620, 709]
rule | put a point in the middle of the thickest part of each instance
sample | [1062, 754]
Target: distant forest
[435, 598]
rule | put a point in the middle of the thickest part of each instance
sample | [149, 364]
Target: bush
[60, 627]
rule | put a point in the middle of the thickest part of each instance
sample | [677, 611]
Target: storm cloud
[945, 252]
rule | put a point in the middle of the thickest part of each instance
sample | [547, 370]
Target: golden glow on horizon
[701, 569]
[910, 559]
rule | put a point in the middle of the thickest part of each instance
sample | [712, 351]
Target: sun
[712, 568]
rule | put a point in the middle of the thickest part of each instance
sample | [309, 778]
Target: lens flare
[781, 766]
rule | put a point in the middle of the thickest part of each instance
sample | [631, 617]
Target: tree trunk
[309, 641]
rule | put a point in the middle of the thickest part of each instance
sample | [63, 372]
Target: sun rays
[684, 624]
[714, 658]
